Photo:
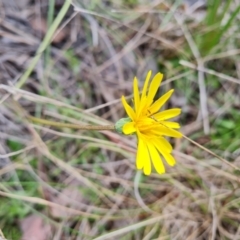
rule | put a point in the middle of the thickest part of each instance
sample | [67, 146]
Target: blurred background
[71, 62]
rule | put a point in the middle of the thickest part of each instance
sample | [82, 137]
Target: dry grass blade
[212, 153]
[133, 227]
[47, 203]
[210, 71]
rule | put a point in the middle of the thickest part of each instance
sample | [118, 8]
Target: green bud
[120, 123]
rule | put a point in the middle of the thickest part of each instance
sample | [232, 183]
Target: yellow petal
[161, 130]
[140, 154]
[163, 144]
[136, 93]
[129, 128]
[156, 159]
[169, 158]
[170, 124]
[141, 109]
[128, 109]
[164, 115]
[146, 121]
[143, 158]
[147, 168]
[145, 86]
[145, 126]
[154, 87]
[166, 154]
[160, 102]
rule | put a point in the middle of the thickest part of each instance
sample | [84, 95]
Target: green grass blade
[228, 24]
[44, 43]
[212, 12]
[49, 23]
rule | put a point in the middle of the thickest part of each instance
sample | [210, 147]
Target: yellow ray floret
[151, 125]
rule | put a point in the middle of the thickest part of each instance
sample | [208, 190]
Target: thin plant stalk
[70, 125]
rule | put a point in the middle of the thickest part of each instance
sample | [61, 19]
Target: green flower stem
[69, 125]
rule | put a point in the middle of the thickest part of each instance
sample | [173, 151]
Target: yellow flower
[150, 125]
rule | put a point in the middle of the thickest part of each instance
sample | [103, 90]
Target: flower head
[150, 125]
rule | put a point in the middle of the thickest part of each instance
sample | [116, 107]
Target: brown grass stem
[70, 125]
[212, 153]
